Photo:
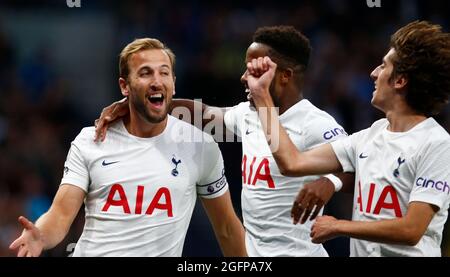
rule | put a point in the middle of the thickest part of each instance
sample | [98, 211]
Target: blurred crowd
[39, 119]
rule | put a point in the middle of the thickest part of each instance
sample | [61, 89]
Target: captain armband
[212, 188]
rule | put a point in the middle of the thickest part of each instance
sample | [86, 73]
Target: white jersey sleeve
[234, 118]
[432, 178]
[345, 150]
[322, 130]
[76, 171]
[212, 181]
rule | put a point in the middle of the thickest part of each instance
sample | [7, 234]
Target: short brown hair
[423, 57]
[139, 45]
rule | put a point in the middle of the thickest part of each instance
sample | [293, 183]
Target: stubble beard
[142, 110]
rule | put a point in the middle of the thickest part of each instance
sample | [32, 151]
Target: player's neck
[289, 99]
[139, 127]
[403, 120]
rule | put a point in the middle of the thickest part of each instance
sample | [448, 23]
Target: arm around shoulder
[179, 107]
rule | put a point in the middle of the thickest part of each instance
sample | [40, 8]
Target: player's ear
[124, 88]
[286, 75]
[400, 82]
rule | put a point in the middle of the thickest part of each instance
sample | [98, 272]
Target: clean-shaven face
[384, 85]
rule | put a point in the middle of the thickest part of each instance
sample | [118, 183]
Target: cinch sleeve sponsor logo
[334, 133]
[441, 186]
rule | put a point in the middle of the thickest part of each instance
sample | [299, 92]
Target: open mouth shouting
[156, 100]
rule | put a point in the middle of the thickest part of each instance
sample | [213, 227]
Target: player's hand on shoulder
[311, 199]
[109, 114]
[30, 243]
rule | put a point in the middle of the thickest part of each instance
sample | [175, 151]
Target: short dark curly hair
[423, 57]
[290, 46]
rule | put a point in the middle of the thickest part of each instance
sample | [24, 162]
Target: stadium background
[59, 67]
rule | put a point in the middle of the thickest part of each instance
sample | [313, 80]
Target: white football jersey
[140, 192]
[393, 170]
[267, 196]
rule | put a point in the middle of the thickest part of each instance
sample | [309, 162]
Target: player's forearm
[53, 228]
[279, 142]
[395, 231]
[291, 162]
[189, 109]
[189, 104]
[201, 115]
[232, 238]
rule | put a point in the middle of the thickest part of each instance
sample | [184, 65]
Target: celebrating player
[401, 162]
[267, 195]
[139, 186]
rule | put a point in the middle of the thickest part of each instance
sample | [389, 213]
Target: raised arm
[227, 226]
[51, 228]
[290, 161]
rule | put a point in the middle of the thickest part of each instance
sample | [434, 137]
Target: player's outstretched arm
[200, 115]
[51, 228]
[227, 226]
[407, 230]
[191, 111]
[290, 161]
[30, 243]
[209, 119]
